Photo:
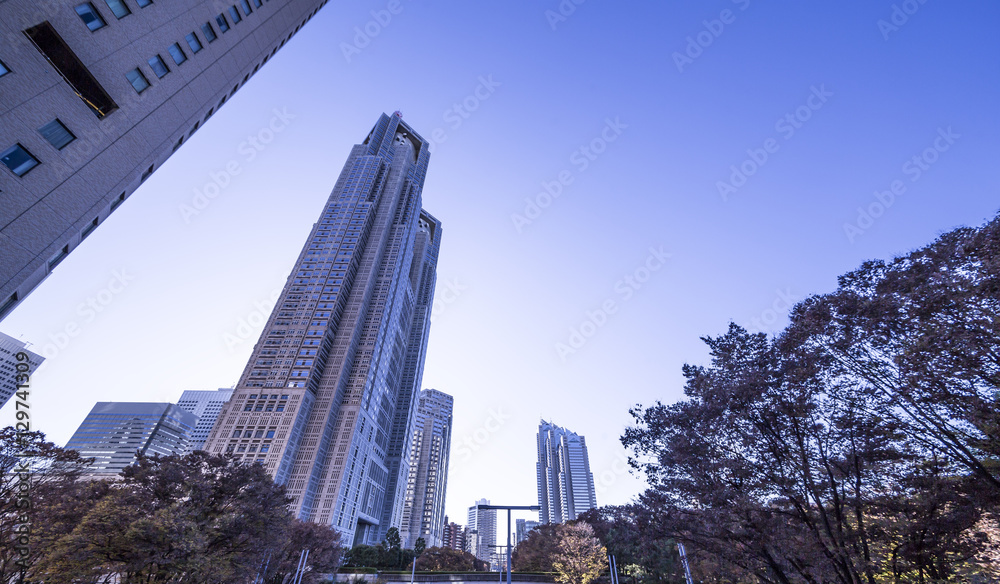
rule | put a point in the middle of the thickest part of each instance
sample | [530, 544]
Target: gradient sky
[552, 93]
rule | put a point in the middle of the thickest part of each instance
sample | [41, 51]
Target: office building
[95, 96]
[481, 537]
[523, 526]
[113, 433]
[423, 510]
[453, 536]
[326, 378]
[206, 405]
[16, 360]
[565, 483]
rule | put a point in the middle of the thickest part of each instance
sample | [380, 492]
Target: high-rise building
[423, 510]
[206, 405]
[481, 537]
[95, 96]
[523, 526]
[453, 536]
[113, 433]
[15, 361]
[565, 483]
[329, 372]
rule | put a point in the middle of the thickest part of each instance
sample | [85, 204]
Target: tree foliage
[581, 557]
[859, 445]
[440, 559]
[538, 550]
[199, 518]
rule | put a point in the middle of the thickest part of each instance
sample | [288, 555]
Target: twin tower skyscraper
[327, 401]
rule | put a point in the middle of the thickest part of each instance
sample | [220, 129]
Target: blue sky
[572, 307]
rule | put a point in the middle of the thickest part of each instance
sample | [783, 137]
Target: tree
[438, 559]
[581, 557]
[419, 546]
[537, 552]
[324, 557]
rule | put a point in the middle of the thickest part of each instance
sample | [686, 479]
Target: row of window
[93, 19]
[20, 161]
[251, 434]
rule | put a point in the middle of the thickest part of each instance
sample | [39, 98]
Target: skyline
[507, 298]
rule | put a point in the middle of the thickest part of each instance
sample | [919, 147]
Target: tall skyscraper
[11, 367]
[95, 96]
[423, 509]
[206, 405]
[329, 372]
[565, 483]
[114, 432]
[481, 537]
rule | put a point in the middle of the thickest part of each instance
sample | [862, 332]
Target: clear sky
[703, 159]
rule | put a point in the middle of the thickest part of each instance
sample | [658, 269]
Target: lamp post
[509, 508]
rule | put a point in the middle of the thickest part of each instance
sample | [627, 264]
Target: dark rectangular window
[90, 228]
[193, 42]
[118, 8]
[57, 134]
[246, 7]
[222, 22]
[50, 44]
[3, 69]
[235, 14]
[90, 16]
[158, 66]
[18, 160]
[143, 3]
[256, 3]
[137, 79]
[118, 201]
[208, 31]
[177, 53]
[60, 256]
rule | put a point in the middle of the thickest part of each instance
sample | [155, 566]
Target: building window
[3, 69]
[265, 448]
[222, 22]
[158, 66]
[143, 3]
[193, 42]
[118, 8]
[246, 7]
[90, 16]
[270, 434]
[60, 256]
[256, 3]
[177, 53]
[233, 12]
[57, 134]
[18, 160]
[138, 80]
[208, 31]
[90, 228]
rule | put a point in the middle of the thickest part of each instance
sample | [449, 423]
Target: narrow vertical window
[193, 42]
[18, 159]
[235, 14]
[90, 16]
[177, 53]
[118, 8]
[208, 31]
[256, 3]
[3, 69]
[56, 134]
[143, 3]
[222, 22]
[158, 66]
[246, 7]
[138, 80]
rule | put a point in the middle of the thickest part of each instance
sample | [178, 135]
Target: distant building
[114, 432]
[9, 371]
[206, 405]
[423, 509]
[565, 483]
[522, 529]
[481, 537]
[453, 536]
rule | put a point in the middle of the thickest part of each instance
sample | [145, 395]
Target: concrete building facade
[565, 483]
[326, 378]
[481, 535]
[423, 508]
[453, 536]
[95, 96]
[113, 433]
[206, 405]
